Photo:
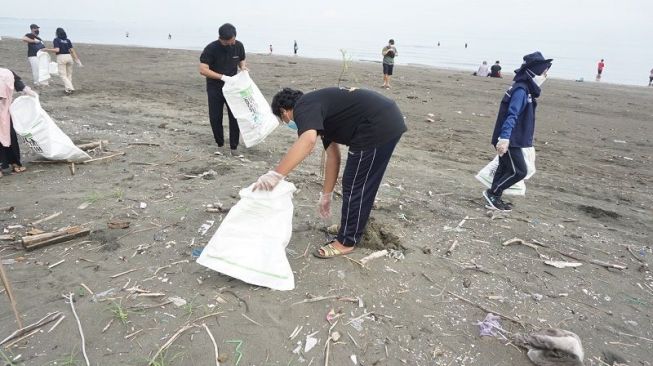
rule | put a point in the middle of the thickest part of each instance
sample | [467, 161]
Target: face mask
[292, 125]
[36, 32]
[537, 79]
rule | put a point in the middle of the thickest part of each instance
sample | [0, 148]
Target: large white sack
[250, 243]
[44, 65]
[41, 133]
[248, 105]
[54, 68]
[486, 176]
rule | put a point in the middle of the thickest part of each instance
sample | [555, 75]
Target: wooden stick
[215, 345]
[379, 254]
[72, 168]
[87, 289]
[452, 248]
[124, 273]
[144, 143]
[79, 325]
[8, 345]
[57, 323]
[103, 158]
[251, 320]
[133, 334]
[12, 300]
[607, 265]
[169, 342]
[207, 316]
[50, 317]
[46, 218]
[636, 257]
[314, 299]
[92, 145]
[56, 264]
[486, 309]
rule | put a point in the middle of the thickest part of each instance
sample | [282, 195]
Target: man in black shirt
[219, 61]
[495, 70]
[34, 44]
[368, 122]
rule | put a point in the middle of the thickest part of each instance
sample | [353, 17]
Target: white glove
[30, 92]
[268, 181]
[502, 146]
[324, 205]
[226, 79]
[79, 63]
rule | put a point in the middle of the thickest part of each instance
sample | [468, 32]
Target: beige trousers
[65, 63]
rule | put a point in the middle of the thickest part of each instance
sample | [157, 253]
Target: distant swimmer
[295, 47]
[126, 34]
[438, 43]
[270, 49]
[599, 70]
[650, 78]
[465, 45]
[169, 36]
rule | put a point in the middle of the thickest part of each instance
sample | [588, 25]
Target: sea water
[576, 57]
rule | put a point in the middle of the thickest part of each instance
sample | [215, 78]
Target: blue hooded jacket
[516, 118]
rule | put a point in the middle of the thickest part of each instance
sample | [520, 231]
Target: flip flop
[329, 252]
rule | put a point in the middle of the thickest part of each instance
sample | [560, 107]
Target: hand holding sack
[502, 146]
[268, 181]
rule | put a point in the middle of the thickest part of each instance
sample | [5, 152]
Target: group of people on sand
[62, 48]
[371, 125]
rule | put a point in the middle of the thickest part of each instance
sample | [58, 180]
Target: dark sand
[591, 198]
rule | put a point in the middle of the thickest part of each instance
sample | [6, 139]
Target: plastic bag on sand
[54, 68]
[250, 244]
[486, 175]
[41, 133]
[248, 105]
[44, 65]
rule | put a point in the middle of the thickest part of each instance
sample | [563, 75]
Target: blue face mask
[292, 125]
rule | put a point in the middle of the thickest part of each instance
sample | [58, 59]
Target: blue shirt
[64, 46]
[515, 108]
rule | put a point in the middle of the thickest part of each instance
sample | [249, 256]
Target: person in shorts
[389, 53]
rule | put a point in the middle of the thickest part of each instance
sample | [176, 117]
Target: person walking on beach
[219, 61]
[366, 121]
[34, 44]
[650, 78]
[389, 53]
[9, 148]
[295, 47]
[270, 49]
[482, 70]
[66, 55]
[600, 67]
[169, 36]
[495, 70]
[515, 127]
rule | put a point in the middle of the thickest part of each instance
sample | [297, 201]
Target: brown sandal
[17, 168]
[329, 251]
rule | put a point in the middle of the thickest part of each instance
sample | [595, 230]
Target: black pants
[10, 155]
[511, 169]
[360, 181]
[216, 109]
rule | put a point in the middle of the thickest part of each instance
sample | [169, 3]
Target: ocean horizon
[626, 63]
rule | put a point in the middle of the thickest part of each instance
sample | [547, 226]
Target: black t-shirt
[33, 48]
[495, 70]
[64, 45]
[359, 118]
[222, 59]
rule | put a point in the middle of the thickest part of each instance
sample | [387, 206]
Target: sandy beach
[589, 202]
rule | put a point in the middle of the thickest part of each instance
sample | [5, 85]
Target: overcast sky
[600, 17]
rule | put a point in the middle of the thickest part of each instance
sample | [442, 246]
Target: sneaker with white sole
[495, 202]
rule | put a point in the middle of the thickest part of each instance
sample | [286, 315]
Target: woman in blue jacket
[515, 127]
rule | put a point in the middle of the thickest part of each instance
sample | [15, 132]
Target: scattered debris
[563, 264]
[118, 224]
[205, 227]
[38, 241]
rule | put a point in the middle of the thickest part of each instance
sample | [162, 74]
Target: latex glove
[30, 92]
[226, 79]
[268, 181]
[79, 63]
[502, 146]
[324, 205]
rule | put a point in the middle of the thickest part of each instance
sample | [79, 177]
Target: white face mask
[537, 79]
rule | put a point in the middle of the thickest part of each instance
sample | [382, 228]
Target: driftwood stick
[379, 254]
[514, 320]
[215, 345]
[630, 250]
[50, 317]
[452, 248]
[125, 272]
[169, 342]
[10, 293]
[607, 265]
[8, 345]
[79, 326]
[46, 218]
[57, 323]
[92, 145]
[103, 158]
[144, 143]
[72, 168]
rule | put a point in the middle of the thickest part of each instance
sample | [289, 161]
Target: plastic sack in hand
[41, 133]
[248, 105]
[486, 175]
[44, 66]
[250, 244]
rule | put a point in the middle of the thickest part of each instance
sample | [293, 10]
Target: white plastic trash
[44, 65]
[248, 105]
[41, 133]
[54, 68]
[486, 175]
[250, 243]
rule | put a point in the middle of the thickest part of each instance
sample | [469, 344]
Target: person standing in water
[295, 47]
[389, 53]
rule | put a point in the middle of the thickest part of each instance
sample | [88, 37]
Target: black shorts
[387, 69]
[650, 79]
[600, 71]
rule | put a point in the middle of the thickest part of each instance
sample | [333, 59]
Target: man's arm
[332, 167]
[26, 39]
[243, 65]
[297, 153]
[208, 73]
